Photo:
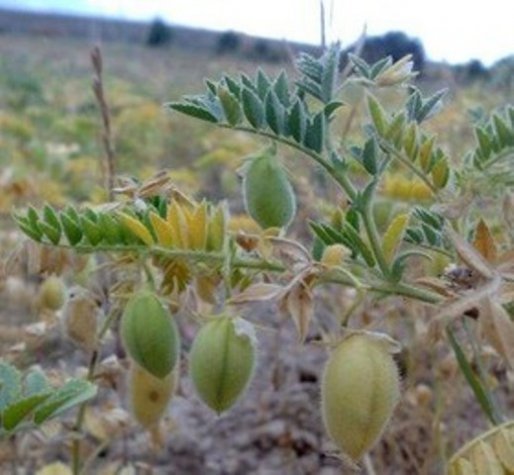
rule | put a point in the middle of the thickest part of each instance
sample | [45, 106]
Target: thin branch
[341, 179]
[79, 421]
[405, 161]
[98, 89]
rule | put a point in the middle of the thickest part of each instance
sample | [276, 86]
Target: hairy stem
[389, 288]
[405, 161]
[374, 239]
[500, 156]
[341, 179]
[79, 421]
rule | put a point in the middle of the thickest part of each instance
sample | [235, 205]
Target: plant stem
[319, 159]
[374, 239]
[503, 154]
[482, 373]
[476, 383]
[369, 465]
[412, 292]
[79, 421]
[75, 446]
[202, 256]
[390, 288]
[405, 161]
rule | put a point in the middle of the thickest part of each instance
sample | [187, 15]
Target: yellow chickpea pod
[359, 391]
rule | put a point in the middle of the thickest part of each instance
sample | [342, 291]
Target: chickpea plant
[178, 245]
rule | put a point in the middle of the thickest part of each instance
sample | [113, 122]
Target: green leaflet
[28, 399]
[253, 108]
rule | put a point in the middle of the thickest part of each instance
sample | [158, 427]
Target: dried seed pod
[52, 294]
[149, 334]
[221, 361]
[360, 388]
[149, 396]
[268, 195]
[80, 317]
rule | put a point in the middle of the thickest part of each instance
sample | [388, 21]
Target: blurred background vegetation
[49, 122]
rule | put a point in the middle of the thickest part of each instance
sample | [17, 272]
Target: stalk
[79, 421]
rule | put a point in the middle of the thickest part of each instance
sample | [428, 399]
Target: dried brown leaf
[484, 242]
[498, 329]
[249, 242]
[292, 253]
[506, 264]
[437, 285]
[299, 304]
[156, 185]
[455, 308]
[469, 255]
[257, 293]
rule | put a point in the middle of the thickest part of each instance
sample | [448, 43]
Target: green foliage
[182, 246]
[272, 107]
[427, 229]
[396, 45]
[28, 400]
[495, 139]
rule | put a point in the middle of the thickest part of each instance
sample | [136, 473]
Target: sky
[455, 31]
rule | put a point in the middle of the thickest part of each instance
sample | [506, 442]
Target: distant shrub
[159, 33]
[471, 71]
[395, 44]
[265, 50]
[502, 74]
[228, 42]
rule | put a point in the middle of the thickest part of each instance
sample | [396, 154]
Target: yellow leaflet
[393, 235]
[425, 154]
[217, 229]
[177, 220]
[137, 227]
[440, 173]
[182, 199]
[410, 141]
[420, 191]
[163, 230]
[197, 227]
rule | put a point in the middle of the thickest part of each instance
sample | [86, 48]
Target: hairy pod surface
[80, 318]
[268, 195]
[52, 293]
[149, 396]
[222, 360]
[149, 334]
[360, 388]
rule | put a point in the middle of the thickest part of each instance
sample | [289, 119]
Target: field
[51, 152]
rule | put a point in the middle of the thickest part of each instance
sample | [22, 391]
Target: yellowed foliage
[138, 228]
